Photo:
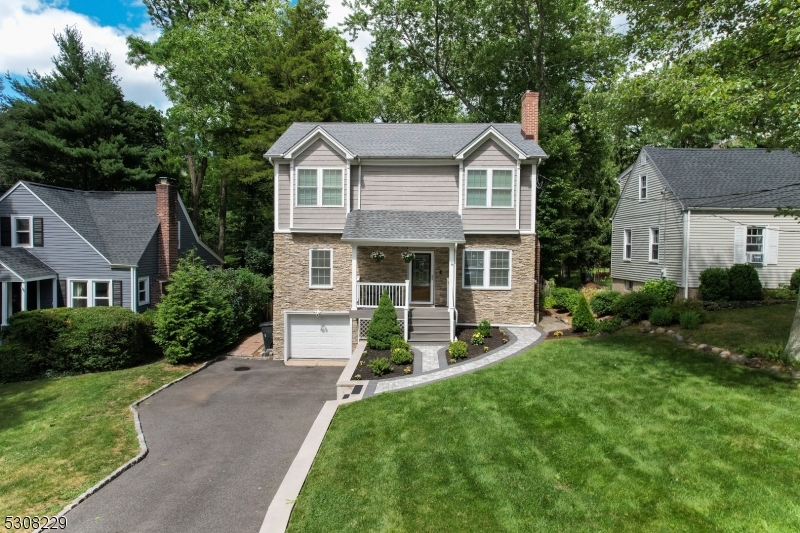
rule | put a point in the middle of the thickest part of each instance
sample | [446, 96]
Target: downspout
[686, 237]
[134, 306]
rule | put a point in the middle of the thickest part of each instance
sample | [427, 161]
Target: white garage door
[319, 337]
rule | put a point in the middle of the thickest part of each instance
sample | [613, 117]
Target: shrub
[384, 325]
[75, 340]
[566, 298]
[477, 338]
[714, 285]
[689, 320]
[661, 316]
[744, 283]
[399, 342]
[603, 302]
[635, 305]
[380, 366]
[779, 294]
[402, 356]
[664, 289]
[607, 326]
[680, 306]
[249, 295]
[794, 282]
[549, 302]
[193, 321]
[484, 328]
[458, 349]
[582, 318]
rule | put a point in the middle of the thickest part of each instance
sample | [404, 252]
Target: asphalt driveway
[220, 444]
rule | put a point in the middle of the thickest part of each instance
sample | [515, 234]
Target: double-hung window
[23, 231]
[143, 290]
[490, 188]
[643, 188]
[320, 187]
[89, 293]
[321, 269]
[627, 247]
[655, 236]
[487, 269]
[755, 245]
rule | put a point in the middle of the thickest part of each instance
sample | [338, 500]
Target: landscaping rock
[796, 375]
[660, 330]
[644, 329]
[670, 332]
[737, 358]
[715, 350]
[626, 323]
[693, 345]
[775, 368]
[702, 346]
[725, 354]
[678, 337]
[645, 323]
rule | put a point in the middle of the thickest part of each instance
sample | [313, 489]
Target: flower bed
[476, 350]
[363, 370]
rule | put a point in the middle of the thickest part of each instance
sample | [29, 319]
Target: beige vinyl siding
[490, 154]
[409, 188]
[526, 174]
[284, 196]
[711, 244]
[659, 210]
[320, 155]
[354, 187]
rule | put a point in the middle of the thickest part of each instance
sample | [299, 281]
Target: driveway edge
[142, 444]
[280, 509]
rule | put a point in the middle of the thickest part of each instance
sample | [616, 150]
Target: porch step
[428, 337]
[416, 321]
[430, 312]
[430, 328]
[429, 324]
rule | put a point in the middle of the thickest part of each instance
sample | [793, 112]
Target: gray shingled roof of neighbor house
[404, 140]
[24, 264]
[730, 177]
[411, 226]
[119, 225]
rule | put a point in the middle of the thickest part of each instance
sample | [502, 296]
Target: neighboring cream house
[683, 210]
[461, 197]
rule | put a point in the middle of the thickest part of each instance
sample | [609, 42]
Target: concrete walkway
[526, 337]
[220, 442]
[250, 347]
[430, 355]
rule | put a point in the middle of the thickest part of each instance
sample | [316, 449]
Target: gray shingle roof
[731, 177]
[119, 224]
[24, 264]
[438, 226]
[403, 140]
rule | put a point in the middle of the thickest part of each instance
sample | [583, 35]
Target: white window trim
[650, 247]
[627, 239]
[764, 244]
[486, 268]
[14, 242]
[489, 183]
[646, 185]
[146, 280]
[319, 171]
[310, 280]
[90, 288]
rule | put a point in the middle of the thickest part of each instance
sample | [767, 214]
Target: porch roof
[18, 264]
[403, 227]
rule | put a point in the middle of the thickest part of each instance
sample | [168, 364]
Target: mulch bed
[369, 354]
[551, 335]
[476, 350]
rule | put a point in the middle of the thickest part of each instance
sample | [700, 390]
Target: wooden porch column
[6, 294]
[23, 295]
[354, 274]
[451, 296]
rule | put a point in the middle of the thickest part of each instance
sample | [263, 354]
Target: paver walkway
[526, 337]
[430, 355]
[250, 347]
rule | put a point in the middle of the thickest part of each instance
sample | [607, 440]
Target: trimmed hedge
[636, 305]
[566, 298]
[744, 283]
[714, 285]
[663, 289]
[603, 301]
[67, 340]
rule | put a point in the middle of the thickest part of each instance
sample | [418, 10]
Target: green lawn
[752, 331]
[620, 433]
[60, 436]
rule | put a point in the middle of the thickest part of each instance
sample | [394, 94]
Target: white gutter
[686, 237]
[134, 307]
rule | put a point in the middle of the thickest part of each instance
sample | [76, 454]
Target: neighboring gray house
[461, 197]
[684, 210]
[62, 247]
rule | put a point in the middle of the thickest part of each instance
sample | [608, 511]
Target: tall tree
[74, 128]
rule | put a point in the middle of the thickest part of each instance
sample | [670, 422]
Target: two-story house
[69, 248]
[683, 210]
[460, 197]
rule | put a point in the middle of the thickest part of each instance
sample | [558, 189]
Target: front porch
[26, 283]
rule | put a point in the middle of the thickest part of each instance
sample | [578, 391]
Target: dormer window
[320, 187]
[22, 231]
[490, 188]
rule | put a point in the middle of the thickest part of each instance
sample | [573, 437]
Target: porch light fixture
[377, 256]
[407, 256]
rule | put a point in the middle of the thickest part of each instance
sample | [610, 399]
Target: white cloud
[337, 12]
[26, 43]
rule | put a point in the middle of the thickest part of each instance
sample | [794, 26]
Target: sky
[27, 28]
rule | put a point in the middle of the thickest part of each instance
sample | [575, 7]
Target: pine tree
[384, 325]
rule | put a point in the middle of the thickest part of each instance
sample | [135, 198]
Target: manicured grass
[620, 433]
[60, 436]
[751, 331]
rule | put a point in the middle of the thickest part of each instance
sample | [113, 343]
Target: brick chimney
[530, 115]
[167, 213]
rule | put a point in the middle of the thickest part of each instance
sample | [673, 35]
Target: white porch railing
[369, 294]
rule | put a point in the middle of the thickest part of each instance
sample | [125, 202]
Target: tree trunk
[197, 173]
[223, 215]
[792, 349]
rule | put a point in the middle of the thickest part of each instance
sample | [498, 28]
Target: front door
[421, 286]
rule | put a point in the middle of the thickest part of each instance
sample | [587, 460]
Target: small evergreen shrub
[635, 305]
[582, 318]
[566, 298]
[484, 328]
[607, 326]
[794, 282]
[458, 349]
[689, 320]
[603, 302]
[714, 285]
[477, 338]
[549, 302]
[399, 342]
[661, 316]
[664, 289]
[680, 306]
[402, 356]
[384, 325]
[380, 366]
[744, 283]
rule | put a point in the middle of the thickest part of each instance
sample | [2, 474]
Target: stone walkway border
[143, 450]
